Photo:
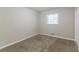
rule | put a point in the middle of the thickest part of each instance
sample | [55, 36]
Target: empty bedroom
[37, 29]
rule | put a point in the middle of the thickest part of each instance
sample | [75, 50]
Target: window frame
[52, 20]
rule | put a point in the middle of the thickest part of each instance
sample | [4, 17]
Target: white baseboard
[57, 36]
[17, 41]
[30, 37]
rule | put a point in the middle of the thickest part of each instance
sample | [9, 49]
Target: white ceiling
[41, 8]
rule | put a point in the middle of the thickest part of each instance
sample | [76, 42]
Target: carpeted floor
[42, 43]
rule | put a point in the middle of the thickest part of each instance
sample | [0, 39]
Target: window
[52, 19]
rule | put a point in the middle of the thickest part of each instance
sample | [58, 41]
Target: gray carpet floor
[42, 43]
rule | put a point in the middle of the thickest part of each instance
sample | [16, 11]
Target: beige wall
[16, 24]
[65, 28]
